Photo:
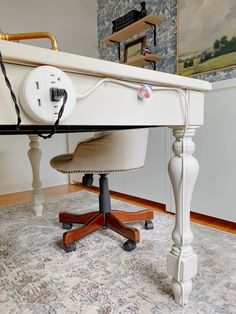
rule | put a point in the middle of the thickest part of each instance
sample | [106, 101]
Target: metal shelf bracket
[154, 29]
[153, 63]
[118, 46]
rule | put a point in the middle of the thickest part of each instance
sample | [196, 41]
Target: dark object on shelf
[149, 21]
[143, 10]
[125, 20]
[146, 51]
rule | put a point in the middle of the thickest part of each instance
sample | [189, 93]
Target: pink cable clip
[144, 91]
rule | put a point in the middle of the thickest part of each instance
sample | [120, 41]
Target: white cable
[186, 104]
[93, 88]
[186, 115]
[180, 92]
[136, 86]
[186, 111]
[186, 118]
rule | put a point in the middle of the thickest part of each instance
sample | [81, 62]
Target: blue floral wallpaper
[109, 10]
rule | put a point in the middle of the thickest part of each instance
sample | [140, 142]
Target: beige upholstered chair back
[107, 152]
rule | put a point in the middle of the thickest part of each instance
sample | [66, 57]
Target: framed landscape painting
[206, 35]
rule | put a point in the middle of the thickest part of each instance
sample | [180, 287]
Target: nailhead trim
[97, 171]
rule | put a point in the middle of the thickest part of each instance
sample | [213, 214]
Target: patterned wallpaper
[109, 10]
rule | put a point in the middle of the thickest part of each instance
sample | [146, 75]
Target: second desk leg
[182, 261]
[35, 154]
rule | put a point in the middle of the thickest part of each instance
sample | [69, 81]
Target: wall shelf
[142, 60]
[149, 21]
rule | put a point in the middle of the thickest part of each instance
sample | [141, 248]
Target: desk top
[34, 56]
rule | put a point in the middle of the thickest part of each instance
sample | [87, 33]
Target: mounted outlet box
[34, 94]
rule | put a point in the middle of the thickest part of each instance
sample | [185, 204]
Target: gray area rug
[37, 276]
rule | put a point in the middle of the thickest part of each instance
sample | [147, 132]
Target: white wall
[74, 23]
[215, 192]
[149, 182]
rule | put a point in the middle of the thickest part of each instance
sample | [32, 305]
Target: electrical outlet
[34, 94]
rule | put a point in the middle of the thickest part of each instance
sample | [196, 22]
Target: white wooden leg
[35, 154]
[183, 172]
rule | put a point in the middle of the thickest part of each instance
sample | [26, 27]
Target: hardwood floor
[20, 197]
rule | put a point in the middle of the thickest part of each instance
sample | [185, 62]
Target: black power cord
[55, 93]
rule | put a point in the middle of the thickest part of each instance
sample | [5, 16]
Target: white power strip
[34, 94]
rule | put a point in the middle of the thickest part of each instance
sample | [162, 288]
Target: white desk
[115, 106]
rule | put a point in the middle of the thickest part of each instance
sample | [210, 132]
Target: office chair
[115, 151]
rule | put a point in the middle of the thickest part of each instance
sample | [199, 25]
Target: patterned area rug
[37, 276]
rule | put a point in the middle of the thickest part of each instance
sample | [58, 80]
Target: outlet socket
[34, 94]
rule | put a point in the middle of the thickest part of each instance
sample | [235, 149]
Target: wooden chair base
[95, 220]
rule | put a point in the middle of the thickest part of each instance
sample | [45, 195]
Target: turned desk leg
[182, 261]
[35, 154]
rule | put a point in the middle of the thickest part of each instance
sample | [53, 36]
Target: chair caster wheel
[67, 225]
[70, 248]
[148, 225]
[129, 246]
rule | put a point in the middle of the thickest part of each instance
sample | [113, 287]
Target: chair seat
[66, 164]
[117, 151]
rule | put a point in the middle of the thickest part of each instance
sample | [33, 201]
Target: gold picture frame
[133, 50]
[210, 52]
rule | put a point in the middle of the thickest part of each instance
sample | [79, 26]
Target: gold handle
[33, 35]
